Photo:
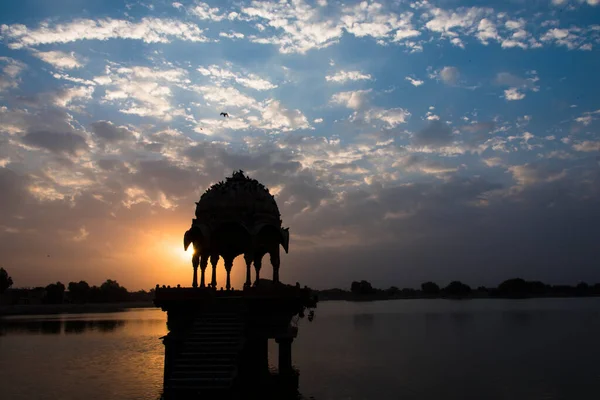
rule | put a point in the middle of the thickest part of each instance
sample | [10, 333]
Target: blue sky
[385, 129]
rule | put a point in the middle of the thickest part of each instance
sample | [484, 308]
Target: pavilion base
[217, 345]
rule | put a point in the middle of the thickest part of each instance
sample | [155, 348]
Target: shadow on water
[57, 327]
[518, 318]
[363, 321]
[297, 396]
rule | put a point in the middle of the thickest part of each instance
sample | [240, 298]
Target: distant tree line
[75, 292]
[511, 288]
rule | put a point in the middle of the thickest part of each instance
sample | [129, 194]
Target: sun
[186, 254]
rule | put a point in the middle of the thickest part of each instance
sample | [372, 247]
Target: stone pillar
[256, 360]
[285, 355]
[168, 362]
[248, 259]
[195, 262]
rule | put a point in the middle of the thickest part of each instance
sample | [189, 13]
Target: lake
[400, 349]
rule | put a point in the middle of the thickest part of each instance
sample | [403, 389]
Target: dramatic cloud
[111, 129]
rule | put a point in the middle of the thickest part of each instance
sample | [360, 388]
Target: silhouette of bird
[224, 114]
[48, 255]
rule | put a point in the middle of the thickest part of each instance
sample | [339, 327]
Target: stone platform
[217, 345]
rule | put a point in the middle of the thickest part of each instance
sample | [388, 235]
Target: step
[217, 330]
[212, 341]
[197, 353]
[214, 336]
[217, 326]
[178, 391]
[213, 358]
[202, 374]
[226, 381]
[210, 332]
[203, 367]
[218, 323]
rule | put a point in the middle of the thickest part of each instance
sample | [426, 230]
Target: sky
[404, 141]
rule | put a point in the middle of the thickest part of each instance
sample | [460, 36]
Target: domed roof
[239, 198]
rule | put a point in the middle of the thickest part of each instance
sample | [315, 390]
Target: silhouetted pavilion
[217, 340]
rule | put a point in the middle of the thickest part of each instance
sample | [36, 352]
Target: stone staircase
[207, 363]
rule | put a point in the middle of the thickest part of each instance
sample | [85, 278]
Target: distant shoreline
[92, 308]
[56, 309]
[368, 298]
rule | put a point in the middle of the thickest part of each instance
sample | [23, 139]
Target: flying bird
[224, 114]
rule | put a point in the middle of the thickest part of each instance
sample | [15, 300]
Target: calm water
[409, 349]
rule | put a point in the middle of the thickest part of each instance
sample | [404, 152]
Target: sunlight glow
[185, 255]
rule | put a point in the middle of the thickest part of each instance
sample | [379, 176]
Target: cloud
[569, 38]
[64, 97]
[587, 117]
[416, 163]
[141, 90]
[232, 35]
[351, 99]
[276, 117]
[226, 96]
[107, 131]
[70, 78]
[436, 134]
[486, 31]
[517, 84]
[587, 146]
[206, 12]
[300, 26]
[449, 75]
[148, 30]
[59, 59]
[318, 120]
[513, 94]
[392, 117]
[508, 79]
[414, 82]
[372, 19]
[344, 76]
[11, 69]
[533, 173]
[448, 23]
[56, 142]
[222, 75]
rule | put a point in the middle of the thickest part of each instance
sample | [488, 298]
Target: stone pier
[217, 343]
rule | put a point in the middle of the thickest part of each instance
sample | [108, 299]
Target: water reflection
[64, 326]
